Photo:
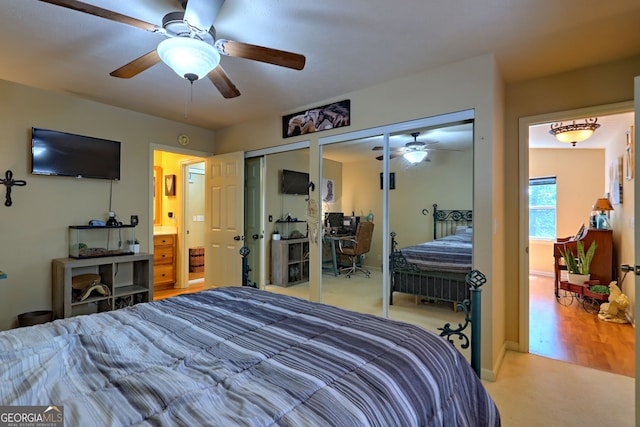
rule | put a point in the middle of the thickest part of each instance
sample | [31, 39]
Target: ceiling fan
[420, 148]
[190, 31]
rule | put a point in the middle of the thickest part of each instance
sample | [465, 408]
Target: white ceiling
[348, 44]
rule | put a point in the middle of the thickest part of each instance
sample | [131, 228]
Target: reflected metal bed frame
[431, 285]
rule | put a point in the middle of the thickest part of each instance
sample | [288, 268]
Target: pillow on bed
[464, 229]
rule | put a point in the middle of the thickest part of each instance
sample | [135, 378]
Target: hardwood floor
[571, 334]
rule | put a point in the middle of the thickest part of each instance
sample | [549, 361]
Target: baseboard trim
[491, 374]
[541, 273]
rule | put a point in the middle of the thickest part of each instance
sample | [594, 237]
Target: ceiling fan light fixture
[415, 156]
[190, 58]
[575, 132]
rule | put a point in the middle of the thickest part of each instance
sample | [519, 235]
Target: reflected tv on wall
[65, 154]
[294, 182]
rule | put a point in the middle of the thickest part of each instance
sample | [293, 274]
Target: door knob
[237, 238]
[255, 237]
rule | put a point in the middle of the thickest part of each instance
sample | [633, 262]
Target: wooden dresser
[602, 263]
[164, 261]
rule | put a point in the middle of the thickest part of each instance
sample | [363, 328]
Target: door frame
[523, 259]
[183, 270]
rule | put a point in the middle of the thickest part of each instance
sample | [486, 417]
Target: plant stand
[569, 292]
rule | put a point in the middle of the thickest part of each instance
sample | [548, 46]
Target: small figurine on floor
[613, 311]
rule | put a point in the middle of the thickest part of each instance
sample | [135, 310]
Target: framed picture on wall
[392, 180]
[169, 185]
[328, 191]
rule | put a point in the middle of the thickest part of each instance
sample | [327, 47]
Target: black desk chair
[354, 248]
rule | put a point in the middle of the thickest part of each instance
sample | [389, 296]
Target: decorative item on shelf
[134, 246]
[602, 206]
[276, 235]
[578, 265]
[112, 221]
[575, 132]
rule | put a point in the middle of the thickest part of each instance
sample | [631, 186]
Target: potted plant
[578, 264]
[134, 246]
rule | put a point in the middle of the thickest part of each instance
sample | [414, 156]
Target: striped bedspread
[447, 254]
[241, 356]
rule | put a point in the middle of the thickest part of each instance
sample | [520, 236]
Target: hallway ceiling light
[575, 132]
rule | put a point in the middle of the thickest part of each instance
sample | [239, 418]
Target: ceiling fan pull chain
[187, 95]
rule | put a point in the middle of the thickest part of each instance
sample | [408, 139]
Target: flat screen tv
[66, 154]
[294, 182]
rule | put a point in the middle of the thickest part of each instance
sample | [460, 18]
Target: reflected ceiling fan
[414, 151]
[190, 46]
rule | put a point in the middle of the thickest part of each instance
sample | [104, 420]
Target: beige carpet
[530, 390]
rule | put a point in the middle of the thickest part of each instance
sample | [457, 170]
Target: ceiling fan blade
[201, 13]
[137, 66]
[262, 54]
[104, 13]
[224, 84]
[391, 149]
[442, 149]
[391, 156]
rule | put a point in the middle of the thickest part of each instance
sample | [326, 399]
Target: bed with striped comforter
[241, 356]
[451, 254]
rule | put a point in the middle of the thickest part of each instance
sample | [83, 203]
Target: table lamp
[602, 205]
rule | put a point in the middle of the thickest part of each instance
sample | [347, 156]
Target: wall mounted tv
[294, 182]
[66, 154]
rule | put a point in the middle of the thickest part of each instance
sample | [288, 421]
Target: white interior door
[224, 201]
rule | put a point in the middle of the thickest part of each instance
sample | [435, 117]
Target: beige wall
[35, 229]
[622, 217]
[576, 192]
[599, 85]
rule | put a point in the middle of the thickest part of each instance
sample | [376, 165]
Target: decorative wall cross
[9, 182]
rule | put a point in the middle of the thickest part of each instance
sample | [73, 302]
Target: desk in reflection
[330, 261]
